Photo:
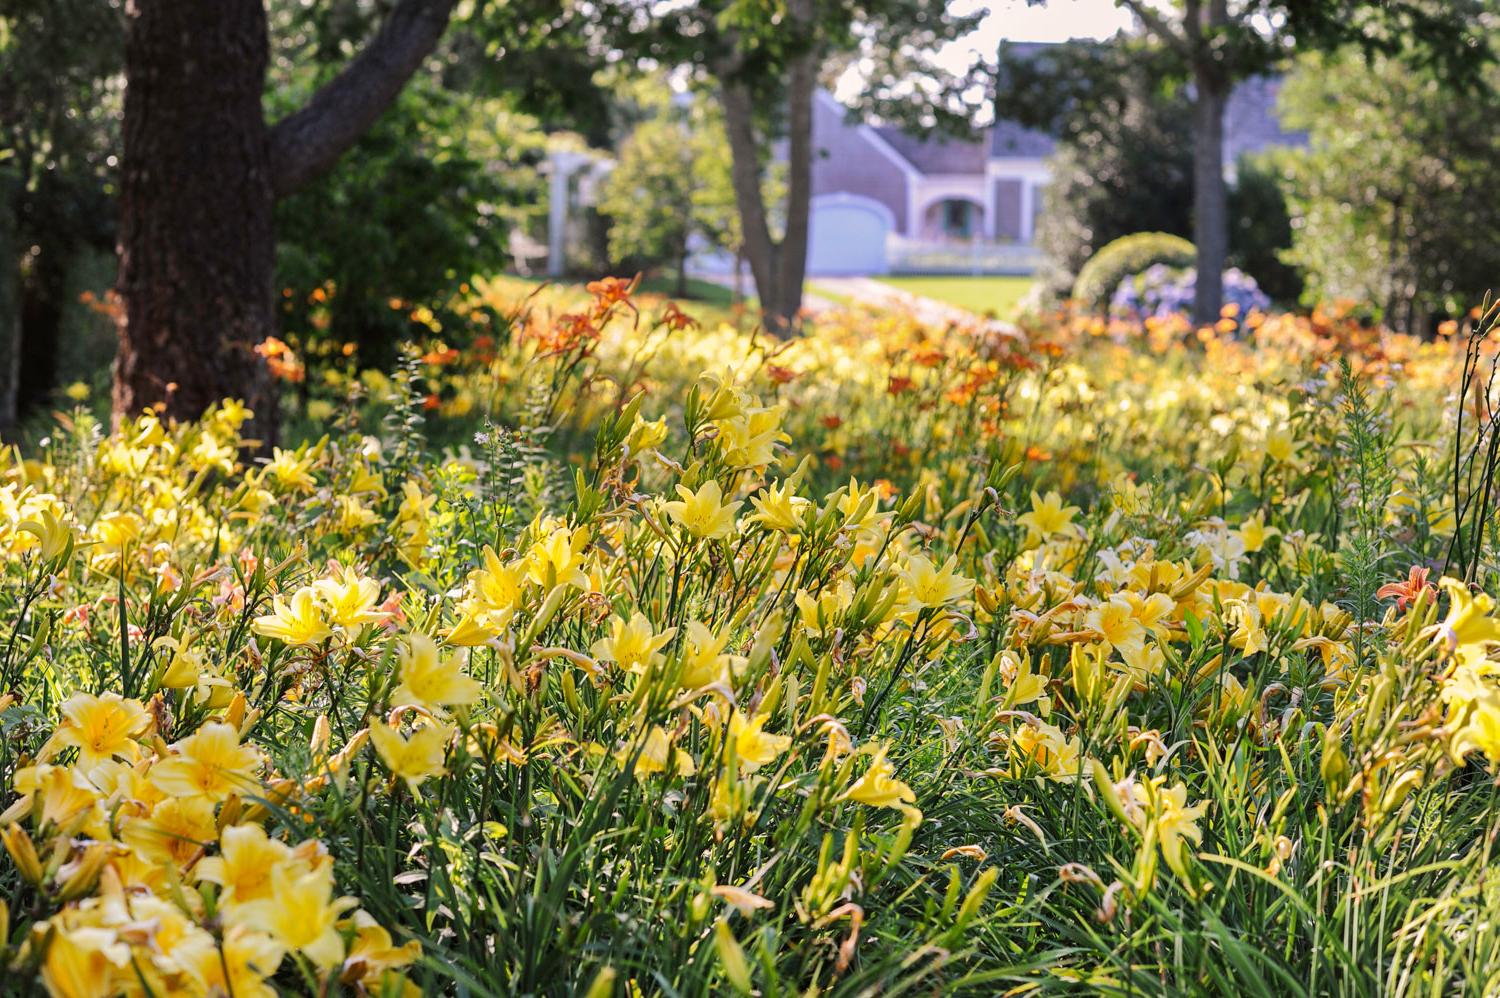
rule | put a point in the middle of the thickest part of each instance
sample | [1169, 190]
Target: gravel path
[871, 292]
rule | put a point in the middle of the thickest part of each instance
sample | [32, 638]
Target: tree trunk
[744, 172]
[793, 263]
[1210, 194]
[196, 242]
[200, 176]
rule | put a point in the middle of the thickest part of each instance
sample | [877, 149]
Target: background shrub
[1260, 228]
[1125, 256]
[1396, 198]
[428, 199]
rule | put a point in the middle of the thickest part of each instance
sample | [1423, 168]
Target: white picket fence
[915, 256]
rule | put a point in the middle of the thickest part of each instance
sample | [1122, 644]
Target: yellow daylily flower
[752, 746]
[430, 680]
[703, 513]
[416, 758]
[210, 763]
[931, 586]
[242, 869]
[1048, 516]
[632, 644]
[878, 787]
[557, 559]
[100, 727]
[1470, 619]
[349, 600]
[657, 754]
[299, 623]
[301, 913]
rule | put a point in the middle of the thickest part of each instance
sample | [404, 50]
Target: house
[884, 200]
[874, 185]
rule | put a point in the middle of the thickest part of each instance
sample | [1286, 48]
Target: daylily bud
[22, 853]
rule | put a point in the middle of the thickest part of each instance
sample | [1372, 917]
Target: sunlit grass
[999, 295]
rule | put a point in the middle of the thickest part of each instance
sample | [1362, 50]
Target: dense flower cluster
[883, 658]
[1161, 291]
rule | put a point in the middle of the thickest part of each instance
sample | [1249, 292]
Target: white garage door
[848, 236]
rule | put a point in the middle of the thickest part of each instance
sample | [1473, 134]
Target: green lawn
[997, 294]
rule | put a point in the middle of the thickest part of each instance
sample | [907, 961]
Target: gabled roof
[1005, 139]
[1250, 124]
[1251, 121]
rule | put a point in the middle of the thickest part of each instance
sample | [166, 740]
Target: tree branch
[1155, 24]
[306, 143]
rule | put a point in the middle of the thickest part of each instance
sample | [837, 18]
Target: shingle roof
[1007, 138]
[939, 155]
[935, 155]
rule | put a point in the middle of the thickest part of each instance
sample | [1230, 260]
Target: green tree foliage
[59, 101]
[429, 199]
[649, 197]
[1213, 44]
[764, 62]
[382, 218]
[671, 182]
[1397, 197]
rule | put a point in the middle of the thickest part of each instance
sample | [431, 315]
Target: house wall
[1027, 175]
[850, 158]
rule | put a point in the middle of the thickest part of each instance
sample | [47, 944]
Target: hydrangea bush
[1161, 291]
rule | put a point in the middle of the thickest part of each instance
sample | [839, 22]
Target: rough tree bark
[306, 144]
[196, 244]
[800, 84]
[200, 176]
[1197, 40]
[1204, 23]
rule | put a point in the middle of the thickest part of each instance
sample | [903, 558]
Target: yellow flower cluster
[747, 684]
[169, 881]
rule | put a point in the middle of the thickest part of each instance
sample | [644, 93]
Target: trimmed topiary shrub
[1126, 256]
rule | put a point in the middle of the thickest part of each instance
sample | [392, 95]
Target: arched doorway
[953, 219]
